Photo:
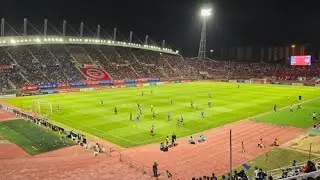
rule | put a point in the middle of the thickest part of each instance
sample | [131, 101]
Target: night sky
[234, 23]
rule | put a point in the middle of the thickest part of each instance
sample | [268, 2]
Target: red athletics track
[186, 161]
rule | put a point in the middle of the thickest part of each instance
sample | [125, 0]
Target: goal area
[258, 80]
[42, 108]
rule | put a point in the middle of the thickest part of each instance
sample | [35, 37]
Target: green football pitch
[32, 138]
[83, 111]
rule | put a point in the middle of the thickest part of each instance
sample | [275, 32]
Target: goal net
[259, 81]
[42, 108]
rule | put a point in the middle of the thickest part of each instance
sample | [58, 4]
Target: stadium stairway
[84, 166]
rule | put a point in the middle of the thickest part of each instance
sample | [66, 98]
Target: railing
[140, 167]
[312, 175]
[277, 173]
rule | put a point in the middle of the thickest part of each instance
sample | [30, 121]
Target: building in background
[274, 53]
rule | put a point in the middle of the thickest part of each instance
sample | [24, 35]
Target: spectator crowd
[61, 63]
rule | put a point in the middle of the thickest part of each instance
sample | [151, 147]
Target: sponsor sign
[75, 84]
[63, 85]
[106, 82]
[90, 83]
[29, 88]
[86, 89]
[154, 79]
[232, 81]
[130, 81]
[143, 80]
[297, 84]
[47, 86]
[7, 96]
[118, 81]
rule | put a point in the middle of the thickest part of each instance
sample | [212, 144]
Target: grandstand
[49, 62]
[45, 59]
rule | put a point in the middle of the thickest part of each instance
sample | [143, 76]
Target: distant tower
[205, 14]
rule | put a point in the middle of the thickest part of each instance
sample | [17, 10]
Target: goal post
[42, 108]
[258, 80]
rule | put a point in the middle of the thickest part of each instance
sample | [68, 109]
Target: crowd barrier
[265, 81]
[82, 140]
[86, 83]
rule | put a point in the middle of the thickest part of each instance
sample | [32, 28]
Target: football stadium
[74, 106]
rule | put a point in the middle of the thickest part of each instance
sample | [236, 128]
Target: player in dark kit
[168, 116]
[115, 111]
[191, 104]
[101, 102]
[275, 108]
[142, 93]
[58, 108]
[153, 115]
[152, 131]
[202, 114]
[130, 116]
[209, 103]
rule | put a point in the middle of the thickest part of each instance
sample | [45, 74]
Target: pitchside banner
[143, 80]
[47, 86]
[130, 81]
[29, 88]
[91, 83]
[77, 84]
[106, 82]
[154, 79]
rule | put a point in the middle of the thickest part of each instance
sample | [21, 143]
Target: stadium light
[211, 50]
[12, 41]
[206, 12]
[293, 46]
[177, 51]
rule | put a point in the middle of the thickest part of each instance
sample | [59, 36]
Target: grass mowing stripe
[229, 103]
[32, 138]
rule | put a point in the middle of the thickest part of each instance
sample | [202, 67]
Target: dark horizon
[234, 22]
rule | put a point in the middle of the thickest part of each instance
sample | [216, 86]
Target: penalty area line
[127, 140]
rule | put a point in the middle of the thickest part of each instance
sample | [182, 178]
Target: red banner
[95, 74]
[29, 88]
[3, 67]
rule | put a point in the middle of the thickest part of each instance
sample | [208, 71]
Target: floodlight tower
[205, 14]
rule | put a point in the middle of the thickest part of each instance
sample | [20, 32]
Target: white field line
[144, 142]
[90, 127]
[231, 117]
